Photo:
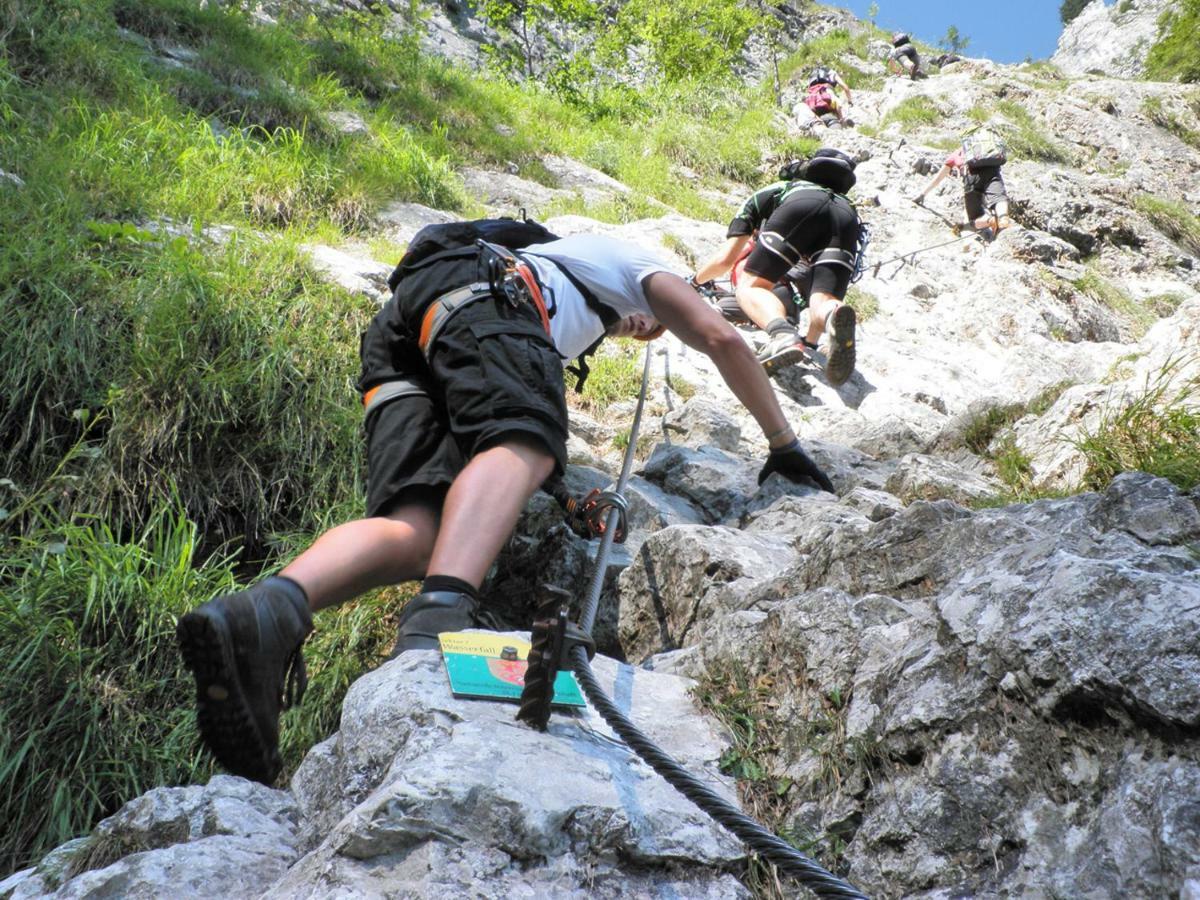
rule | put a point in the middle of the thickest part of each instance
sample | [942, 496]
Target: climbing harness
[557, 642]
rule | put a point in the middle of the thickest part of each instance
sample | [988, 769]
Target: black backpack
[469, 250]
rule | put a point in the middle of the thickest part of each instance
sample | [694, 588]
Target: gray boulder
[395, 801]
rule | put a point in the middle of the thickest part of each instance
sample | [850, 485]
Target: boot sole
[783, 359]
[842, 354]
[222, 712]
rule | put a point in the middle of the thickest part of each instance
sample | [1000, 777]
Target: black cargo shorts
[493, 375]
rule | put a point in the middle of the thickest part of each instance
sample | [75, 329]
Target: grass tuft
[1156, 431]
[913, 111]
[1026, 138]
[1174, 220]
[1104, 292]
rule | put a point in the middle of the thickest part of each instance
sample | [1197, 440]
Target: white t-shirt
[612, 269]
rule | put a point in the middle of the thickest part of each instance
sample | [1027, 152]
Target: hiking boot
[244, 650]
[840, 365]
[428, 614]
[783, 350]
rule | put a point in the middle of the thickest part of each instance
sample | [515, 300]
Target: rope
[771, 847]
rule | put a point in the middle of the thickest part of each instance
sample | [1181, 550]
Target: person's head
[899, 39]
[792, 170]
[642, 326]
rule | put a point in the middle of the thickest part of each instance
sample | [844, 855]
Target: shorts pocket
[521, 370]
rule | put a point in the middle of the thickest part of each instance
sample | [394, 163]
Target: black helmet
[900, 38]
[832, 169]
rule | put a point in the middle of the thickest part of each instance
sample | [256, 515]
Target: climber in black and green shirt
[799, 235]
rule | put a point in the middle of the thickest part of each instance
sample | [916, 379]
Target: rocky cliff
[1110, 39]
[950, 693]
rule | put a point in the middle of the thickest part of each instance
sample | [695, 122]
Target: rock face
[394, 805]
[1017, 710]
[1110, 39]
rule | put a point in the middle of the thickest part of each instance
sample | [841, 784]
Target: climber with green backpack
[797, 238]
[465, 415]
[978, 160]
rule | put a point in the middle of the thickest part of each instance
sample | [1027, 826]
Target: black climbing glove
[794, 464]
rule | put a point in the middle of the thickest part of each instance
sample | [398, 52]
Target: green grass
[866, 304]
[1027, 138]
[1176, 54]
[981, 430]
[1156, 112]
[1156, 431]
[838, 49]
[616, 375]
[1173, 219]
[1049, 75]
[87, 619]
[913, 111]
[1104, 292]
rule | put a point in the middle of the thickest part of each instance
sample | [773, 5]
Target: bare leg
[757, 301]
[483, 504]
[820, 306]
[353, 558]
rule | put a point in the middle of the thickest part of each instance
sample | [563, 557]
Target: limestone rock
[1112, 39]
[388, 802]
[229, 838]
[702, 423]
[681, 575]
[921, 477]
[717, 483]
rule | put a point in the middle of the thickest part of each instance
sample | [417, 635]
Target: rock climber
[904, 59]
[977, 161]
[823, 100]
[462, 381]
[798, 236]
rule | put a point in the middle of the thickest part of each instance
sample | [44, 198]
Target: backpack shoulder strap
[607, 314]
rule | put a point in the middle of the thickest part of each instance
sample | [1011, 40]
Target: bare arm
[937, 179]
[722, 261]
[702, 328]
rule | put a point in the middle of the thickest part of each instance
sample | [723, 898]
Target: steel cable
[771, 847]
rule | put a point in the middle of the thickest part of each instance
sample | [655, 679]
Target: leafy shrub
[1069, 9]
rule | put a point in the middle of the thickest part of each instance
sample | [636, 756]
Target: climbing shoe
[783, 350]
[840, 365]
[428, 614]
[244, 650]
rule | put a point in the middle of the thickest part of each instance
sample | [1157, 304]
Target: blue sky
[1006, 31]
